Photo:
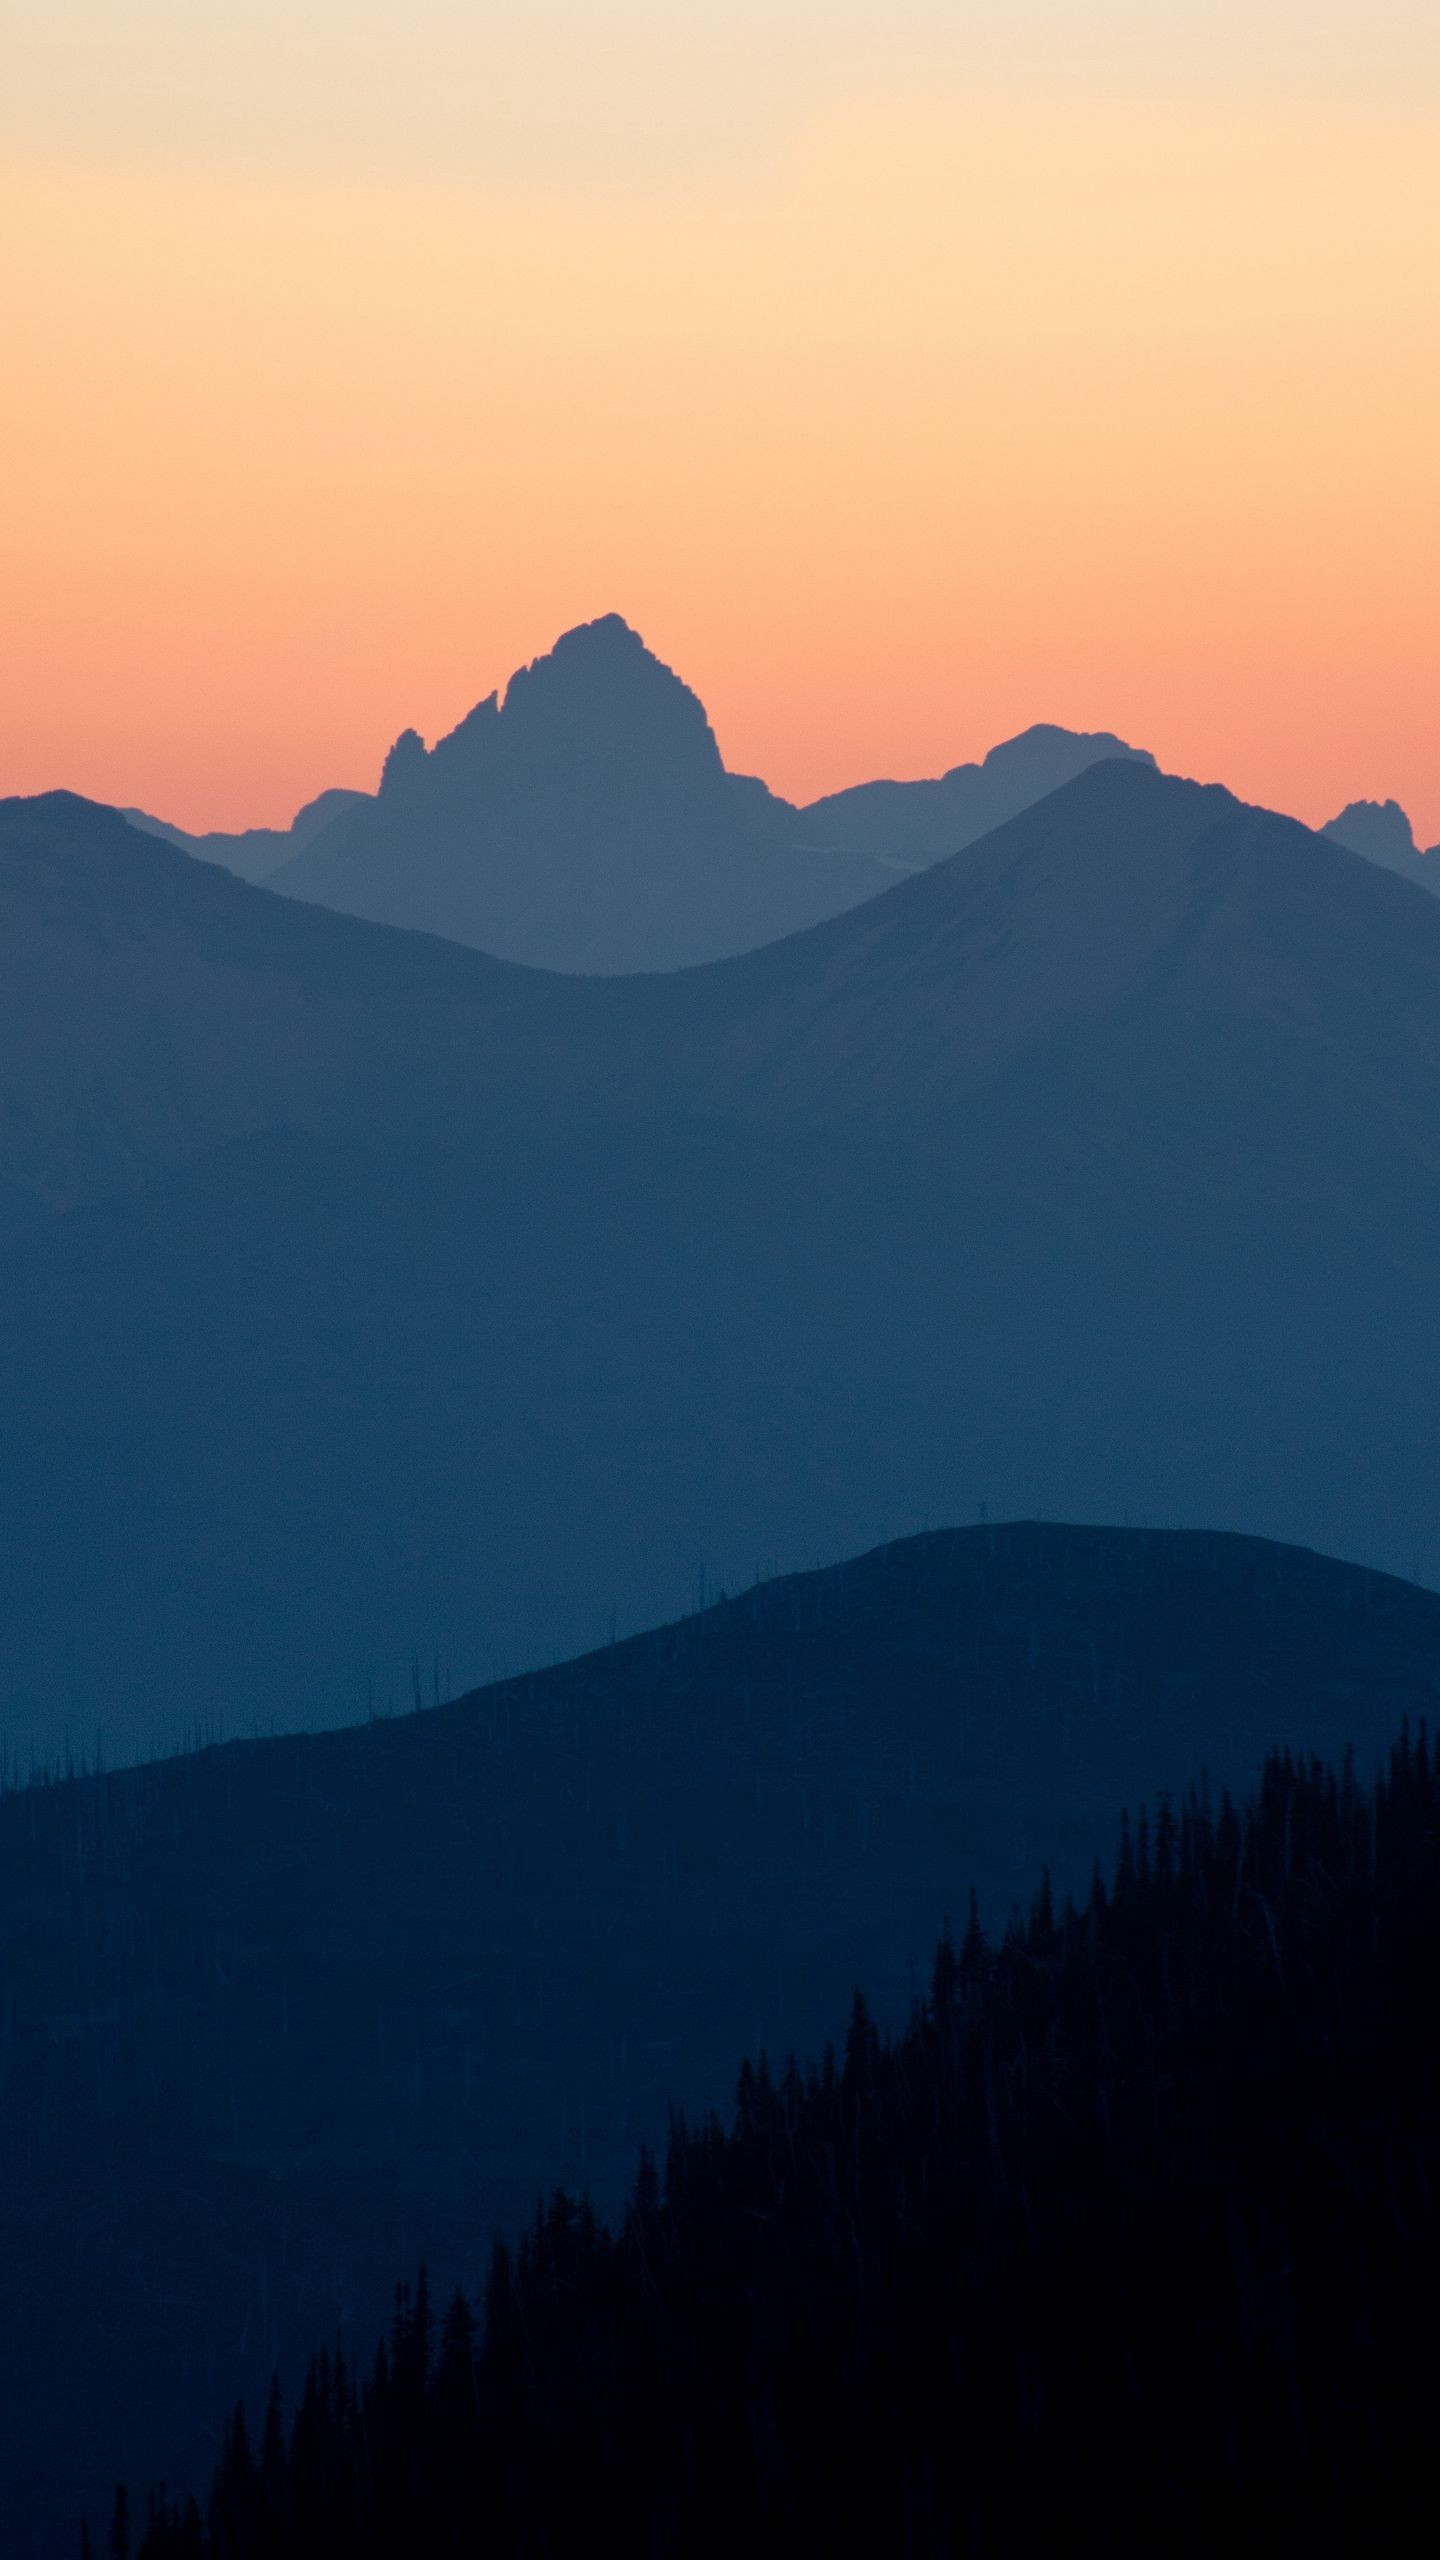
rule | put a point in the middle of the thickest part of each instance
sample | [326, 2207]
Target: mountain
[1380, 830]
[285, 2016]
[369, 1300]
[1126, 2245]
[256, 852]
[587, 823]
[920, 822]
[155, 1009]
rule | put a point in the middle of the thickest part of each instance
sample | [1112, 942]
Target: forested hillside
[1127, 2245]
[281, 2017]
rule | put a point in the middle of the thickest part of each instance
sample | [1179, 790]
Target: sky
[904, 375]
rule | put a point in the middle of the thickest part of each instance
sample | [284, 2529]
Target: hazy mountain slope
[154, 1007]
[1125, 890]
[1095, 1173]
[253, 853]
[285, 2016]
[919, 822]
[1380, 830]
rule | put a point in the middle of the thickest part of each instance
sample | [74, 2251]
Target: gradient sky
[905, 376]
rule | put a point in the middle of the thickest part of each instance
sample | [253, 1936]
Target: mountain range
[286, 2016]
[586, 822]
[377, 1310]
[385, 1316]
[256, 853]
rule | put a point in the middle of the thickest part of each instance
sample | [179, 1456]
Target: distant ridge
[920, 822]
[1380, 830]
[254, 853]
[586, 822]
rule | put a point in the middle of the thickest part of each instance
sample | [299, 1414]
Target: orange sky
[935, 414]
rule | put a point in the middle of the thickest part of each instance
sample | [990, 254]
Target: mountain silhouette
[1380, 830]
[585, 823]
[256, 853]
[155, 1008]
[919, 822]
[284, 2017]
[370, 1299]
[588, 823]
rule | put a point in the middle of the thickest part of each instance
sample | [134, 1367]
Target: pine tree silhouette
[1127, 2244]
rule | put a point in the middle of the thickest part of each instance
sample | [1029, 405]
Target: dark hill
[1127, 2245]
[455, 1307]
[282, 2016]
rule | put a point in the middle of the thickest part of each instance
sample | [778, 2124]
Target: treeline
[1127, 2245]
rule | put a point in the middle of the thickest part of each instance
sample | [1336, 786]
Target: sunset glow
[925, 413]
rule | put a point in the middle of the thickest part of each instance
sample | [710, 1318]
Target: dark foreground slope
[281, 2017]
[454, 1308]
[1128, 2246]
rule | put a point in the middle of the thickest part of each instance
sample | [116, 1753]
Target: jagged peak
[600, 651]
[1381, 819]
[601, 695]
[407, 758]
[1380, 831]
[608, 631]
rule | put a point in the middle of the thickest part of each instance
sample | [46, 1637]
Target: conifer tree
[1127, 2244]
